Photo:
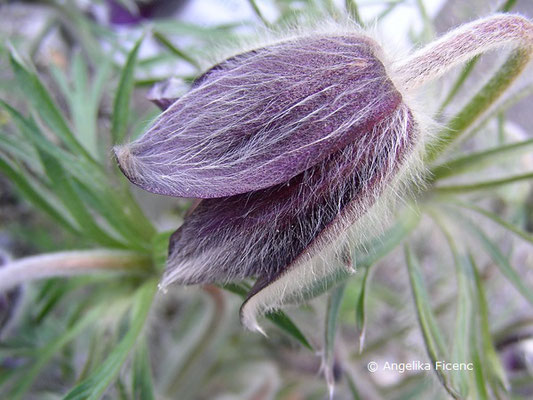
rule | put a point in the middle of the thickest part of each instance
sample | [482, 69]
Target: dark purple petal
[263, 117]
[264, 233]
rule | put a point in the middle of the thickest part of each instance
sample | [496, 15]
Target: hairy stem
[70, 263]
[462, 44]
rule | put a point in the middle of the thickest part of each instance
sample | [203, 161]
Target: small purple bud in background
[294, 147]
[145, 10]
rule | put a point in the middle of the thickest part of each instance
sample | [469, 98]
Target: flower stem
[71, 263]
[462, 44]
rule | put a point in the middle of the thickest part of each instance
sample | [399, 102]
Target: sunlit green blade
[500, 260]
[332, 316]
[479, 160]
[121, 105]
[360, 310]
[497, 219]
[431, 333]
[32, 194]
[469, 67]
[45, 354]
[279, 318]
[142, 385]
[353, 11]
[39, 97]
[498, 378]
[488, 94]
[94, 386]
[473, 187]
[174, 50]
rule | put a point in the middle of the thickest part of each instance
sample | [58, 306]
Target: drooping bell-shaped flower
[289, 145]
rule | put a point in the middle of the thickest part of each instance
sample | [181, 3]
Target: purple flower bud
[259, 119]
[289, 145]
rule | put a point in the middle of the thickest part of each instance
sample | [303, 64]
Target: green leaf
[499, 259]
[94, 386]
[493, 365]
[38, 96]
[473, 187]
[432, 338]
[32, 194]
[121, 105]
[469, 67]
[512, 228]
[258, 12]
[279, 318]
[332, 316]
[480, 159]
[353, 11]
[142, 373]
[464, 311]
[45, 354]
[31, 132]
[61, 185]
[488, 94]
[330, 333]
[360, 310]
[282, 321]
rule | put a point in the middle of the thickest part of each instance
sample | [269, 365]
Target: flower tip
[123, 158]
[249, 321]
[128, 163]
[162, 288]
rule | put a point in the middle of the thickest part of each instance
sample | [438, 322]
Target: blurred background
[197, 348]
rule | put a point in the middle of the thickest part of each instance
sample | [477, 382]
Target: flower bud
[289, 145]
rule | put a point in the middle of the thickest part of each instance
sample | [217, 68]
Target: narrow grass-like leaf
[258, 12]
[43, 104]
[480, 159]
[30, 193]
[44, 355]
[121, 105]
[94, 386]
[432, 337]
[488, 94]
[174, 50]
[496, 218]
[102, 203]
[494, 365]
[142, 386]
[469, 67]
[499, 259]
[360, 310]
[330, 333]
[61, 185]
[18, 149]
[473, 187]
[84, 110]
[464, 311]
[353, 11]
[32, 133]
[332, 316]
[353, 389]
[502, 107]
[282, 321]
[279, 318]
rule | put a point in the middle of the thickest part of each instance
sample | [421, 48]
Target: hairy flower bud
[289, 145]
